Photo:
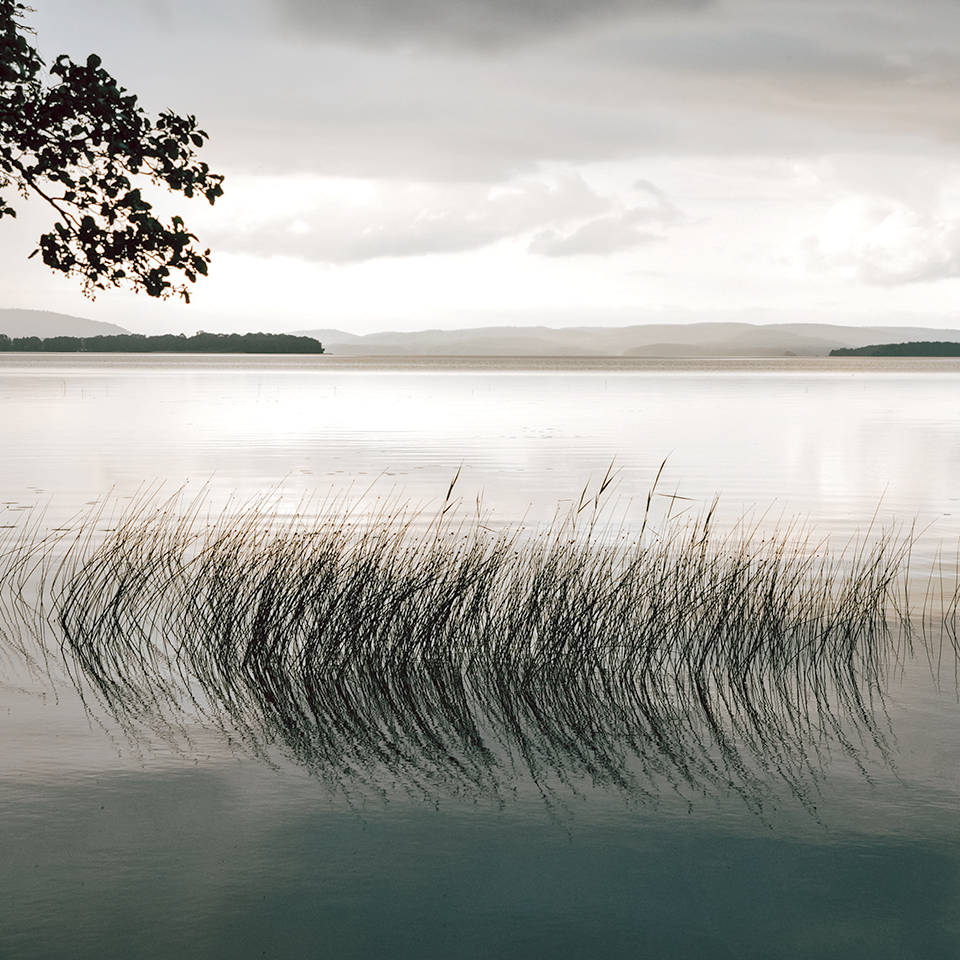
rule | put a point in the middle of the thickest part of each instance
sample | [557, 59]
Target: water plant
[443, 654]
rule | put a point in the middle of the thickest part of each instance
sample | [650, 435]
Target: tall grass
[441, 654]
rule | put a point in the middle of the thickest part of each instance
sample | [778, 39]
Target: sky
[414, 164]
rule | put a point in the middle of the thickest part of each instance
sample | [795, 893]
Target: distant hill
[727, 339]
[42, 323]
[644, 340]
[923, 348]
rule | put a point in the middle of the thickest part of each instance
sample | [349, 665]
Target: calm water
[165, 842]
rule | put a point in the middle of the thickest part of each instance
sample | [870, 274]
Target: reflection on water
[803, 438]
[451, 658]
[263, 764]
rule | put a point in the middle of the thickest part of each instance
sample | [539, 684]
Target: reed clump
[442, 654]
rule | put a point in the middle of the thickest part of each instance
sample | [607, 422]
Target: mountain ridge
[15, 322]
[699, 339]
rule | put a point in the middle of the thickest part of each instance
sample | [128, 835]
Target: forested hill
[166, 343]
[920, 348]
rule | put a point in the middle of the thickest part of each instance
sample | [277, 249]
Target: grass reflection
[442, 655]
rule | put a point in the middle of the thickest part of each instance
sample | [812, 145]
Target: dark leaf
[76, 130]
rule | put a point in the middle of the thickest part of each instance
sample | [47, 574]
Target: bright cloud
[374, 220]
[886, 242]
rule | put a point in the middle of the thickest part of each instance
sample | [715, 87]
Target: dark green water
[188, 846]
[200, 863]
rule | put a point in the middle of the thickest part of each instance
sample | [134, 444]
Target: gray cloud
[748, 82]
[482, 24]
[409, 90]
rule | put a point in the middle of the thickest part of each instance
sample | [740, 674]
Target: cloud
[695, 85]
[471, 89]
[885, 242]
[638, 224]
[602, 236]
[370, 130]
[478, 24]
[352, 223]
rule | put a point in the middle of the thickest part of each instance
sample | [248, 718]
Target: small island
[919, 348]
[165, 343]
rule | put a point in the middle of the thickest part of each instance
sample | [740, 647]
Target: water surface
[829, 440]
[160, 840]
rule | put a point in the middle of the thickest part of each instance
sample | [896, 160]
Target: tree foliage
[73, 136]
[166, 343]
[914, 348]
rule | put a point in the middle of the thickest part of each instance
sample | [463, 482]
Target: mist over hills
[643, 340]
[656, 340]
[43, 323]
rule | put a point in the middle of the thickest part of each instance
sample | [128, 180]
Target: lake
[155, 827]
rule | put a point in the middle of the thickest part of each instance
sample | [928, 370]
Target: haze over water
[165, 843]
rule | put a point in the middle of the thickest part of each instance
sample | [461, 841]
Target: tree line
[166, 343]
[919, 348]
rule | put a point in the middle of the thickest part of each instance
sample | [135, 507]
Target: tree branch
[32, 184]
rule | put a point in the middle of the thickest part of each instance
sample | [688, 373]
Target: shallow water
[165, 840]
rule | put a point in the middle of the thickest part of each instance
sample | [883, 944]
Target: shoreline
[414, 362]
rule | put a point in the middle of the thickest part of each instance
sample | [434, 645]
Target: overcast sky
[404, 164]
